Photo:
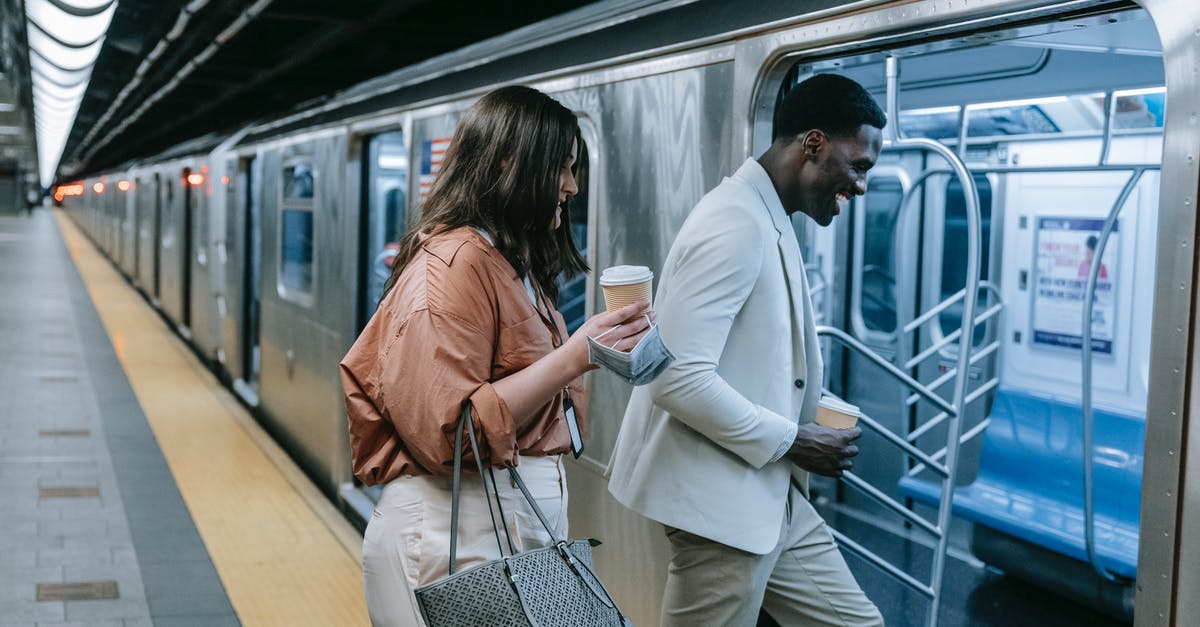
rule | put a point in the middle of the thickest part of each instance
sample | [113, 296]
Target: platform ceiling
[281, 53]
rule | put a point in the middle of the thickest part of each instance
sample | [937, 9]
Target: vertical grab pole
[892, 139]
[1089, 295]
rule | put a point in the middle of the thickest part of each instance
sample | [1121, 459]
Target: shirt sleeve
[789, 438]
[436, 363]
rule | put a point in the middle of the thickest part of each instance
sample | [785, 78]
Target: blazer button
[800, 383]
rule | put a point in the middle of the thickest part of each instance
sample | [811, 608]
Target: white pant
[407, 542]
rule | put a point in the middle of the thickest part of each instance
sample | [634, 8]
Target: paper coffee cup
[836, 414]
[624, 285]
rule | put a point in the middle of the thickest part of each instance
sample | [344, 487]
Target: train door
[158, 235]
[936, 345]
[386, 170]
[252, 280]
[882, 253]
[135, 228]
[186, 253]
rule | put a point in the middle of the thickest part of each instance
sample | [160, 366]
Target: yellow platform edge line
[284, 553]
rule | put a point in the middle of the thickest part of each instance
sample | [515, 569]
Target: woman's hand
[527, 390]
[620, 330]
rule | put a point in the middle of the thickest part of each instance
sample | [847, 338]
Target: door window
[954, 249]
[296, 248]
[387, 211]
[877, 298]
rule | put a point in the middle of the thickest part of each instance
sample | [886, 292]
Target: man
[719, 447]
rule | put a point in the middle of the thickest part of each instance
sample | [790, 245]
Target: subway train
[1039, 170]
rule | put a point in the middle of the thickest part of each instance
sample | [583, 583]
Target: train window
[387, 208]
[1134, 110]
[572, 294]
[992, 120]
[296, 232]
[878, 288]
[954, 249]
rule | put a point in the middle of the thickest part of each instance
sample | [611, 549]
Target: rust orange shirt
[457, 320]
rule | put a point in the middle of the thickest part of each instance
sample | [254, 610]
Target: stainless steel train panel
[127, 207]
[233, 267]
[172, 243]
[300, 392]
[149, 228]
[203, 315]
[660, 144]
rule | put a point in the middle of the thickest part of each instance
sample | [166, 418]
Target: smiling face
[833, 170]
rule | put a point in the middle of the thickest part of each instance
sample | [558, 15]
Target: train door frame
[588, 156]
[987, 332]
[185, 254]
[250, 334]
[136, 229]
[366, 148]
[158, 232]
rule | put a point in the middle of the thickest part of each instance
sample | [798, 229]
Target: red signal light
[195, 180]
[123, 185]
[98, 187]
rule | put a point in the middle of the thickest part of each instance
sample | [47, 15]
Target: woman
[467, 315]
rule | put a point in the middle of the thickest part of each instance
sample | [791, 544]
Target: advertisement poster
[1065, 248]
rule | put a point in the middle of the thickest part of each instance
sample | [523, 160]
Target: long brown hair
[501, 174]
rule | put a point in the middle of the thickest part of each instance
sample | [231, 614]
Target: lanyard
[568, 406]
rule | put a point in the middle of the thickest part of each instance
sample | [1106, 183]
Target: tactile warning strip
[283, 552]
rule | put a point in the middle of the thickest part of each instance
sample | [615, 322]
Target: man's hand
[824, 451]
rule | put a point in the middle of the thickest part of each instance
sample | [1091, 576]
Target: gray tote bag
[555, 586]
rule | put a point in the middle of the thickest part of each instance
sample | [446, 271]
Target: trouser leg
[711, 584]
[389, 557]
[811, 583]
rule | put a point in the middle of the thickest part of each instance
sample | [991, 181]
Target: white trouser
[407, 542]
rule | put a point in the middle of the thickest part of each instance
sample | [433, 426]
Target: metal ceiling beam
[295, 56]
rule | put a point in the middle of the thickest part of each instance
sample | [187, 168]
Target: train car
[1039, 170]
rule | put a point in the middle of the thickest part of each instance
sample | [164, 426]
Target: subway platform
[138, 491]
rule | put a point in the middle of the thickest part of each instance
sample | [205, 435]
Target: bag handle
[465, 417]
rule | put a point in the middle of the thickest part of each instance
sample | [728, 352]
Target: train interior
[1058, 124]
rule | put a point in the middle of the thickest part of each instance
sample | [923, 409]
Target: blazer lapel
[789, 256]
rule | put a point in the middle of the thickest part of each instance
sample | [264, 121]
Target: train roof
[604, 31]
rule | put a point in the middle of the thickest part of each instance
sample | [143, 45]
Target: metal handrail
[892, 504]
[966, 437]
[903, 444]
[879, 562]
[989, 385]
[852, 343]
[976, 357]
[971, 196]
[950, 338]
[969, 435]
[950, 300]
[1089, 293]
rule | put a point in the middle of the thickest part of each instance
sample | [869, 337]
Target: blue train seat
[1030, 482]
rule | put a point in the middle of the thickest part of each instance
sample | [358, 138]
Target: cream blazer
[695, 448]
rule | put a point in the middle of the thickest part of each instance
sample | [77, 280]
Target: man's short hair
[829, 102]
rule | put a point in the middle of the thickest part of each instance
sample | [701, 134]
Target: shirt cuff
[788, 440]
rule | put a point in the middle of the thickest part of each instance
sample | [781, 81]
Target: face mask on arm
[639, 366]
